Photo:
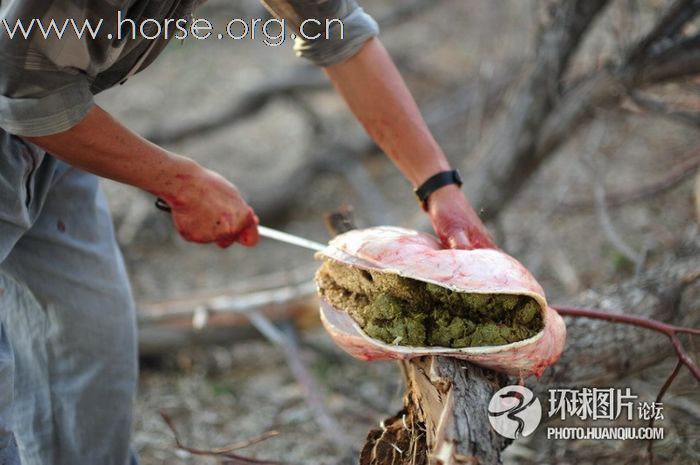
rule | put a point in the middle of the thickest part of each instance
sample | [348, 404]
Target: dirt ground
[223, 394]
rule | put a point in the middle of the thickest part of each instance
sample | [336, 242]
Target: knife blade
[290, 239]
[264, 231]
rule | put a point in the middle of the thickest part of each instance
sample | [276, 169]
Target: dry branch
[302, 79]
[542, 116]
[611, 233]
[509, 150]
[227, 452]
[666, 181]
[299, 80]
[287, 341]
[697, 198]
[220, 316]
[659, 108]
[669, 330]
[598, 352]
[339, 157]
[667, 28]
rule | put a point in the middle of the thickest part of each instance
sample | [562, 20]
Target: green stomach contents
[408, 312]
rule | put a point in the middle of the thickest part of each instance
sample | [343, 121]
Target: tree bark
[444, 419]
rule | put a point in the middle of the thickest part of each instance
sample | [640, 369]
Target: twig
[674, 176]
[667, 28]
[594, 141]
[367, 190]
[659, 108]
[659, 396]
[301, 79]
[610, 231]
[669, 330]
[225, 302]
[227, 451]
[286, 341]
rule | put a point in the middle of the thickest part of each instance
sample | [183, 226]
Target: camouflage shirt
[47, 84]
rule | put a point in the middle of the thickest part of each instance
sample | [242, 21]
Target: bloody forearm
[101, 145]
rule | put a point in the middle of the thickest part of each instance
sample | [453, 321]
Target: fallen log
[222, 316]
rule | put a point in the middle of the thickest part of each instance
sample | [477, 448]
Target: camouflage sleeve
[337, 40]
[44, 88]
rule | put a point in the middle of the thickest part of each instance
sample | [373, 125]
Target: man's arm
[206, 207]
[365, 75]
[45, 98]
[378, 96]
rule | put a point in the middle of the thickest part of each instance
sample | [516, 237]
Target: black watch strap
[163, 205]
[435, 182]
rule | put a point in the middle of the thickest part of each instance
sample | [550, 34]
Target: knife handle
[162, 205]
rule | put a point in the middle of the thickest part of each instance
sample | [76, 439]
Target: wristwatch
[435, 182]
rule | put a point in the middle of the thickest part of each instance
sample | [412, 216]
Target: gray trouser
[67, 323]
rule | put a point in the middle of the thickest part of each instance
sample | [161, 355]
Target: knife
[290, 239]
[270, 233]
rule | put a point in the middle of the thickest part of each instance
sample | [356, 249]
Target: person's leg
[8, 446]
[17, 303]
[25, 177]
[75, 347]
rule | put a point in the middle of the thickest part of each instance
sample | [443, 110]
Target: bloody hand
[207, 208]
[455, 221]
